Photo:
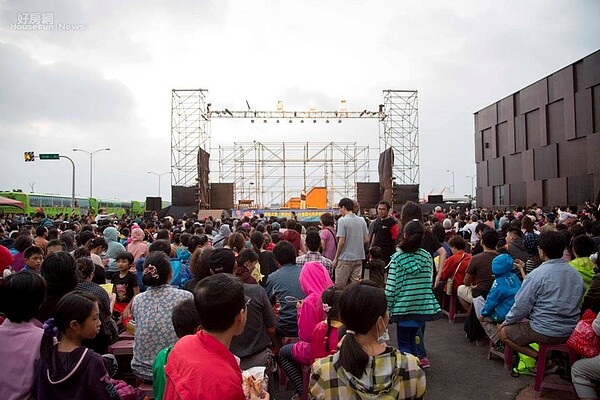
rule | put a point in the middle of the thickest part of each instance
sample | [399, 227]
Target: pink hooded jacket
[137, 247]
[314, 279]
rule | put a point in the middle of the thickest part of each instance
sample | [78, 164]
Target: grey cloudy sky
[108, 83]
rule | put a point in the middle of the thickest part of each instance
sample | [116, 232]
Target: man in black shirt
[385, 231]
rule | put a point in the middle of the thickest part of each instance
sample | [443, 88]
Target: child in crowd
[325, 336]
[314, 279]
[186, 322]
[34, 257]
[500, 298]
[376, 266]
[21, 295]
[152, 311]
[67, 370]
[125, 285]
[137, 247]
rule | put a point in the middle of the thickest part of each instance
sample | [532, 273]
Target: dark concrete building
[542, 143]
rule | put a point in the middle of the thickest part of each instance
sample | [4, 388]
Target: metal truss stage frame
[272, 172]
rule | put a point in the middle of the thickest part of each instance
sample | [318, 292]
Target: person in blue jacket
[501, 296]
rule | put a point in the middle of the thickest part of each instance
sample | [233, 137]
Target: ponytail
[352, 356]
[413, 236]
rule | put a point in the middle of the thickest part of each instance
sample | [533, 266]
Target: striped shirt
[315, 256]
[389, 375]
[408, 288]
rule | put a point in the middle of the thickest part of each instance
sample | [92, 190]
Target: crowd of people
[212, 300]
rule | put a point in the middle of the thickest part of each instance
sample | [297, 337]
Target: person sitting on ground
[314, 279]
[186, 321]
[549, 297]
[376, 267]
[455, 267]
[283, 284]
[34, 256]
[583, 248]
[325, 339]
[478, 279]
[247, 267]
[152, 312]
[21, 295]
[313, 242]
[500, 298]
[365, 367]
[201, 366]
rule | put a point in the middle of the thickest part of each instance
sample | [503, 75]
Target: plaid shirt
[315, 256]
[390, 375]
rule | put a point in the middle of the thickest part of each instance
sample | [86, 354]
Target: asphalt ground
[459, 369]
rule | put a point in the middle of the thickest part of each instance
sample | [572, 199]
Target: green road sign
[49, 156]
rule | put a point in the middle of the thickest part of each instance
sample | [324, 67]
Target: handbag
[584, 340]
[450, 281]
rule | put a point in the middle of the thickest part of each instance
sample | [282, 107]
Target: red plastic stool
[449, 305]
[540, 383]
[505, 356]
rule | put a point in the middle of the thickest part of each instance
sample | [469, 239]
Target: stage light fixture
[265, 121]
[252, 121]
[290, 121]
[277, 121]
[301, 121]
[314, 121]
[326, 121]
[339, 121]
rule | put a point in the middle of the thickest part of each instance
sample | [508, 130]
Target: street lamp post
[472, 185]
[453, 187]
[91, 154]
[158, 175]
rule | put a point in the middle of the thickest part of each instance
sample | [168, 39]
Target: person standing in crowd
[385, 231]
[328, 236]
[352, 234]
[408, 289]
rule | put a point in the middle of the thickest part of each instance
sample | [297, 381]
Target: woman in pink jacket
[137, 247]
[314, 279]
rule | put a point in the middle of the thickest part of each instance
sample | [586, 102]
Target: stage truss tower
[190, 131]
[400, 131]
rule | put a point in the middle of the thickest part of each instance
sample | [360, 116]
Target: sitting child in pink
[324, 339]
[314, 279]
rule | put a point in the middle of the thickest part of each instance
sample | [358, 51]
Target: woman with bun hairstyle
[408, 289]
[364, 366]
[68, 370]
[152, 312]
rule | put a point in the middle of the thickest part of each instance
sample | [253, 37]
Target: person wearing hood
[220, 238]
[314, 279]
[500, 298]
[111, 235]
[515, 244]
[408, 289]
[137, 247]
[364, 367]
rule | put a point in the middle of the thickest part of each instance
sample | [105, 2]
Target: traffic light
[29, 156]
